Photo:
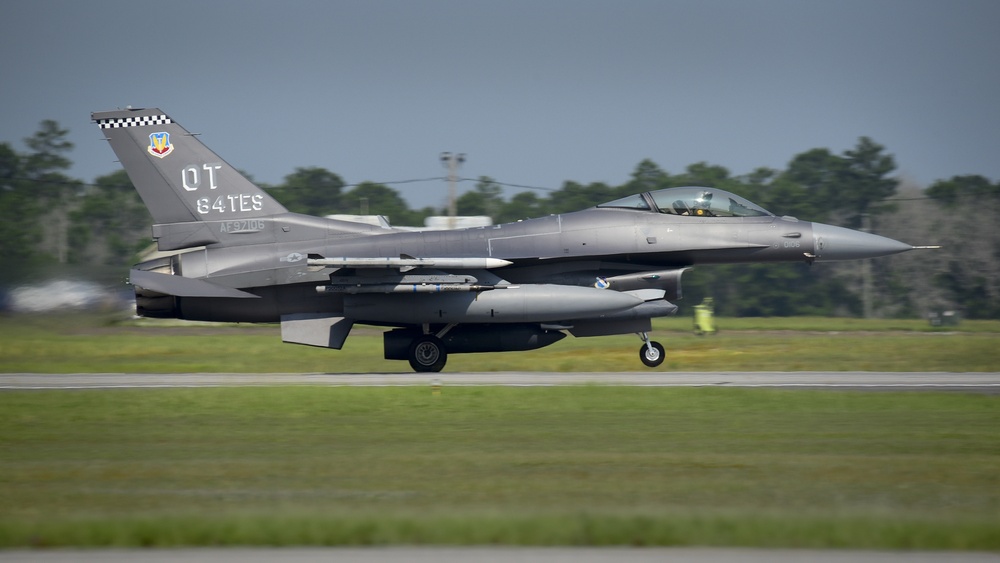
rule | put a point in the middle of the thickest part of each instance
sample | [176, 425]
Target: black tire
[427, 354]
[654, 359]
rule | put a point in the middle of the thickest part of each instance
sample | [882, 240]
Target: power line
[441, 178]
[395, 182]
[509, 185]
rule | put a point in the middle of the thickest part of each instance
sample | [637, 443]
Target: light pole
[452, 161]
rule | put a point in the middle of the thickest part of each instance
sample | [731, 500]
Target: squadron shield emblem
[159, 144]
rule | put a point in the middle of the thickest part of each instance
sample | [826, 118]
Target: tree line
[54, 225]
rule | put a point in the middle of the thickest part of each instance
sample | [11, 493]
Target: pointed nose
[837, 243]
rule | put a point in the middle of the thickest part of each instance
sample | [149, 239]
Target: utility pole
[452, 161]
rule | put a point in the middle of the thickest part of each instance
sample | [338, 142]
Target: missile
[354, 289]
[410, 263]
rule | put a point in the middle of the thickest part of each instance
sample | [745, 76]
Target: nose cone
[838, 243]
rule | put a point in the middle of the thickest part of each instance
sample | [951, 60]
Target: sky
[534, 92]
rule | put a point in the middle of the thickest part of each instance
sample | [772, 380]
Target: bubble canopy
[697, 202]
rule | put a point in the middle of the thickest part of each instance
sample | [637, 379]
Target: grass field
[57, 344]
[521, 466]
[513, 466]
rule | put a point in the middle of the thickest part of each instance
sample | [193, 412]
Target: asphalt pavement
[933, 381]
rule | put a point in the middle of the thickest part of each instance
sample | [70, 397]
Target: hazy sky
[535, 92]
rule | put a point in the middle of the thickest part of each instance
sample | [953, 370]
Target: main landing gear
[651, 353]
[427, 354]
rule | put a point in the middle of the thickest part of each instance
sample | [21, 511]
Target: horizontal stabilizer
[184, 287]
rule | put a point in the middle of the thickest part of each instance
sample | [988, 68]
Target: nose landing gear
[652, 353]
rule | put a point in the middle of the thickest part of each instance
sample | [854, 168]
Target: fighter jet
[237, 255]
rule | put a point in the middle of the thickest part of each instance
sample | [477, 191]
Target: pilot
[702, 205]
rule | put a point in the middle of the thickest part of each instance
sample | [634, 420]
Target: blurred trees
[36, 197]
[866, 184]
[20, 230]
[485, 199]
[965, 221]
[312, 191]
[523, 205]
[48, 218]
[110, 224]
[370, 198]
[317, 191]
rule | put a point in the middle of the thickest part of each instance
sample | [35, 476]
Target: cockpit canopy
[698, 202]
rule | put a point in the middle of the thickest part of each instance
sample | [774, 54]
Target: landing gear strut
[651, 353]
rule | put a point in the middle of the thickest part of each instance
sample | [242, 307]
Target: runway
[871, 381]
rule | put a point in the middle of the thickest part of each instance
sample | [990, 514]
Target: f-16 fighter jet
[239, 256]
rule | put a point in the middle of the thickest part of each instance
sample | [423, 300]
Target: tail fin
[179, 179]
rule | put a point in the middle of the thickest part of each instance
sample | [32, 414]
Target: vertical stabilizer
[179, 179]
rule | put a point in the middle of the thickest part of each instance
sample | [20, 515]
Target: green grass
[55, 344]
[521, 466]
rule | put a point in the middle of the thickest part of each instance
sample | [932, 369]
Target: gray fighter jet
[239, 256]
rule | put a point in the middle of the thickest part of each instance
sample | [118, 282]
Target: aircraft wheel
[654, 357]
[427, 353]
